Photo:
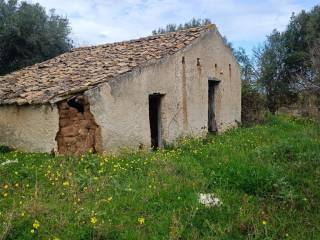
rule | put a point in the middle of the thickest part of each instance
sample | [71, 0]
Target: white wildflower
[209, 200]
[8, 162]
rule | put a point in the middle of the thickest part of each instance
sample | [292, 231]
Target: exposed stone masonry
[78, 131]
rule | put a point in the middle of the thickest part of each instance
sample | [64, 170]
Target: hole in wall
[78, 131]
[77, 103]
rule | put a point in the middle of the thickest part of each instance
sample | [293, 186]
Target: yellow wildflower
[6, 186]
[93, 220]
[264, 222]
[5, 194]
[36, 224]
[32, 231]
[66, 184]
[141, 220]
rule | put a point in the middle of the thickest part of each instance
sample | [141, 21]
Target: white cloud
[242, 21]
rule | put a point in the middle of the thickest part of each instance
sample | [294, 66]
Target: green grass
[267, 176]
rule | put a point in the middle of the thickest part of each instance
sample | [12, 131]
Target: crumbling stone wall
[78, 131]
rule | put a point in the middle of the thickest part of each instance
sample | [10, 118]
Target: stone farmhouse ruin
[137, 94]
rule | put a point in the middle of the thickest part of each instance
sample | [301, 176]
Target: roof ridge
[205, 27]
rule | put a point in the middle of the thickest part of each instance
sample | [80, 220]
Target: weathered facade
[135, 94]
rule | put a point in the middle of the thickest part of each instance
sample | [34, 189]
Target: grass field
[267, 176]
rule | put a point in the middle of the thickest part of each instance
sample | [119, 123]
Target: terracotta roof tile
[82, 68]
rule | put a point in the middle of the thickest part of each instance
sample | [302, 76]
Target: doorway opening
[212, 124]
[155, 120]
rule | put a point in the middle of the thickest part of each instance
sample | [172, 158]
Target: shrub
[5, 149]
[252, 105]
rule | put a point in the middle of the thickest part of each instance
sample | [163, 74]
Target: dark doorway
[155, 120]
[212, 124]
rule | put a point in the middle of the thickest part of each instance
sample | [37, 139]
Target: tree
[272, 73]
[191, 24]
[29, 35]
[316, 63]
[173, 27]
[313, 37]
[301, 40]
[288, 63]
[252, 100]
[313, 26]
[246, 66]
[297, 57]
[228, 44]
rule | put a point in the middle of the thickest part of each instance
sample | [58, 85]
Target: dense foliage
[288, 62]
[174, 27]
[272, 72]
[285, 69]
[253, 104]
[28, 35]
[191, 24]
[267, 178]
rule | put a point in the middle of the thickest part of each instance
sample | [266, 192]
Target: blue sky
[244, 22]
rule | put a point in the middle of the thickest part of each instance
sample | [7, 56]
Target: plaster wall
[210, 58]
[29, 128]
[121, 106]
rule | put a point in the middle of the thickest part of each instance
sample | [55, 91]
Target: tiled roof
[82, 68]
